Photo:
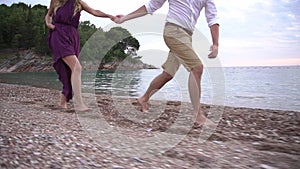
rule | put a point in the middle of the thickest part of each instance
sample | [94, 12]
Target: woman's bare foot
[144, 105]
[63, 102]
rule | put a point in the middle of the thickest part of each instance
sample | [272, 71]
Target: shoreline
[36, 134]
[249, 107]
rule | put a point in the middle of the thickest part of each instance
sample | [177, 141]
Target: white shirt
[185, 13]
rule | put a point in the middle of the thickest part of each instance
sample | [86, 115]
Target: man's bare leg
[157, 83]
[194, 85]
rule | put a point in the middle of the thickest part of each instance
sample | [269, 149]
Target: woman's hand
[48, 17]
[51, 26]
[112, 18]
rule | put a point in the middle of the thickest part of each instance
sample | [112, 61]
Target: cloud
[259, 30]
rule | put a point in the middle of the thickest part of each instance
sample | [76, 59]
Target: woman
[63, 40]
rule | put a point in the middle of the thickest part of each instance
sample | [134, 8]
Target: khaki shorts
[179, 42]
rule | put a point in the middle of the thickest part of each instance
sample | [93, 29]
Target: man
[180, 24]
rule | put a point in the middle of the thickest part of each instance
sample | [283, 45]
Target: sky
[252, 32]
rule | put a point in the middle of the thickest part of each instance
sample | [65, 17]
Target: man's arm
[142, 11]
[214, 29]
[213, 23]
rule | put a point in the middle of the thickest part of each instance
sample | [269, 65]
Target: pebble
[217, 142]
[36, 153]
[139, 160]
[255, 143]
[117, 167]
[264, 166]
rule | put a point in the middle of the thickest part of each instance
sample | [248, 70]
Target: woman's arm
[48, 17]
[142, 11]
[95, 12]
[149, 8]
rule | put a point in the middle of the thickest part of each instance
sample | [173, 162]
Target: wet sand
[37, 134]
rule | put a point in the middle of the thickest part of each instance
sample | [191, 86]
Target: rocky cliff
[28, 61]
[25, 61]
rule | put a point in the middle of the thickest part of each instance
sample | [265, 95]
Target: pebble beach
[35, 133]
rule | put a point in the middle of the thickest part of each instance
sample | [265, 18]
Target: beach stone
[264, 166]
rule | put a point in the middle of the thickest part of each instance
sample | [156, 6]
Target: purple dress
[64, 41]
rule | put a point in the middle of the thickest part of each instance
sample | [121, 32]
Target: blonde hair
[77, 4]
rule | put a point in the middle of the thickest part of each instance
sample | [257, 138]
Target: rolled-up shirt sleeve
[154, 5]
[211, 13]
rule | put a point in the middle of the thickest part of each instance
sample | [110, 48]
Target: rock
[117, 167]
[149, 129]
[137, 159]
[27, 61]
[264, 166]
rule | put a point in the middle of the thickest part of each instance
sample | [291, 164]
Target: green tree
[40, 30]
[23, 26]
[4, 10]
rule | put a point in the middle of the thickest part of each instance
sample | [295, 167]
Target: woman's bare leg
[76, 69]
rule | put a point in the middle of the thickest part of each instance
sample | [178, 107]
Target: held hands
[119, 19]
[111, 17]
[214, 52]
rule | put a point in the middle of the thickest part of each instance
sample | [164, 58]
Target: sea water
[275, 88]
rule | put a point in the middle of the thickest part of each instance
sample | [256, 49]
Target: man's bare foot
[82, 108]
[203, 121]
[144, 105]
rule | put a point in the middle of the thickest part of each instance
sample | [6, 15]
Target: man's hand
[214, 52]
